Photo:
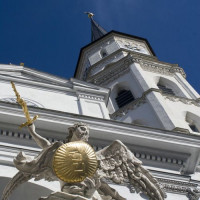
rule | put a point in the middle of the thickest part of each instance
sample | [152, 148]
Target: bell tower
[143, 90]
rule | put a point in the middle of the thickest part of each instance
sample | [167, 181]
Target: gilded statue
[116, 163]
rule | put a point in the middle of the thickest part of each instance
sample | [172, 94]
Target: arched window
[194, 128]
[193, 122]
[165, 90]
[124, 97]
[170, 87]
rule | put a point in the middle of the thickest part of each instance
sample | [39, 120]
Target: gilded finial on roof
[90, 15]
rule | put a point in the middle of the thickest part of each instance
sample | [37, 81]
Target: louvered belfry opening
[166, 90]
[124, 97]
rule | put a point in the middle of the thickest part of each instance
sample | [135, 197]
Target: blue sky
[47, 34]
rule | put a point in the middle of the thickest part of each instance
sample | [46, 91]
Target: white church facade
[122, 91]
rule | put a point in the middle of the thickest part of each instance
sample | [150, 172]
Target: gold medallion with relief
[74, 161]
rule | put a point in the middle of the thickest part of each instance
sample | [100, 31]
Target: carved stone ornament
[193, 194]
[29, 102]
[116, 163]
[148, 63]
[182, 99]
[132, 45]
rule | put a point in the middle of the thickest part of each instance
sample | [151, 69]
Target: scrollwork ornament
[193, 194]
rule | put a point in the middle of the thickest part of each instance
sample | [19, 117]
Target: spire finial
[90, 15]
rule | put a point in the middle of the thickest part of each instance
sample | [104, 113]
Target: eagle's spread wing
[18, 179]
[118, 163]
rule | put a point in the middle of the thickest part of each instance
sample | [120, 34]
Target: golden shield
[74, 161]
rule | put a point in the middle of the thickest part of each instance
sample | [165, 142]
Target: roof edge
[115, 32]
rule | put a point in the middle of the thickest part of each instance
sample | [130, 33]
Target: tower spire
[96, 30]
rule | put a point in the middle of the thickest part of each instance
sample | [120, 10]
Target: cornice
[37, 84]
[180, 187]
[91, 97]
[182, 99]
[149, 156]
[171, 186]
[105, 61]
[141, 155]
[181, 130]
[51, 119]
[109, 73]
[148, 63]
[108, 59]
[161, 67]
[38, 75]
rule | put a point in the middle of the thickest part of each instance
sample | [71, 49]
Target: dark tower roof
[97, 31]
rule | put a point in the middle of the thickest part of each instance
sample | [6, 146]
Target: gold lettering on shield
[77, 161]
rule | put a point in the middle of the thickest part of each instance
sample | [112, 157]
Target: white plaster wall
[49, 99]
[94, 53]
[171, 114]
[142, 115]
[160, 112]
[56, 100]
[125, 192]
[173, 196]
[151, 79]
[94, 109]
[179, 111]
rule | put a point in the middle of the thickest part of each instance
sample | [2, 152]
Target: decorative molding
[161, 68]
[104, 62]
[27, 136]
[182, 99]
[15, 134]
[109, 74]
[193, 194]
[190, 189]
[159, 158]
[28, 102]
[91, 97]
[175, 182]
[181, 130]
[141, 155]
[171, 186]
[114, 70]
[132, 45]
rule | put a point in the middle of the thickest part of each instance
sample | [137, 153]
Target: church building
[123, 92]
